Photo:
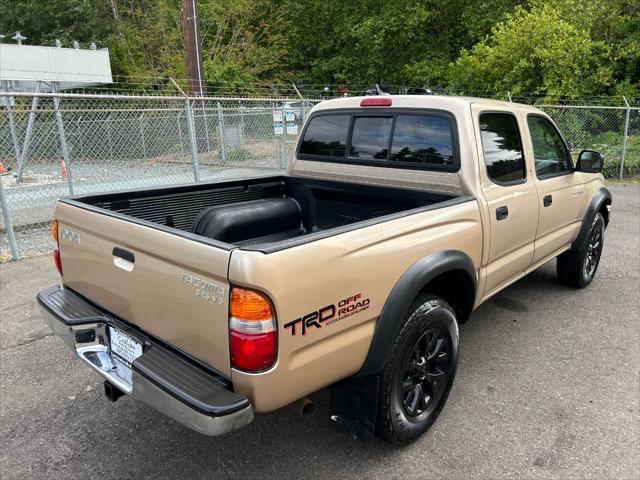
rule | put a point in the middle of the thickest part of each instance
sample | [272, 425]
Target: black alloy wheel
[426, 373]
[594, 250]
[419, 372]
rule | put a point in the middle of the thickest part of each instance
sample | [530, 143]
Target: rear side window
[502, 147]
[422, 139]
[389, 139]
[326, 135]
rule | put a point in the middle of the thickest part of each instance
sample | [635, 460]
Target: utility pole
[192, 46]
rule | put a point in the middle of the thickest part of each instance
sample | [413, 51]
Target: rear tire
[419, 372]
[576, 268]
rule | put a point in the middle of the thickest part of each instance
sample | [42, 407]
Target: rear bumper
[161, 378]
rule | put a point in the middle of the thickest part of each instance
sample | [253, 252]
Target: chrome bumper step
[161, 378]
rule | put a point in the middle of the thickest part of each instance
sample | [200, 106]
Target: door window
[549, 150]
[502, 148]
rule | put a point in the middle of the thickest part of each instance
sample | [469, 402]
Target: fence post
[144, 145]
[7, 222]
[109, 137]
[27, 134]
[283, 140]
[242, 125]
[63, 141]
[12, 127]
[180, 134]
[626, 135]
[193, 146]
[79, 147]
[205, 117]
[302, 113]
[223, 152]
[192, 139]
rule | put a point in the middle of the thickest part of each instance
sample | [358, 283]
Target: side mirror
[590, 162]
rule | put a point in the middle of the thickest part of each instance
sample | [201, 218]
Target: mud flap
[353, 405]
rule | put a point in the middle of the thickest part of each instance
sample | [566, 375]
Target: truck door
[562, 196]
[510, 193]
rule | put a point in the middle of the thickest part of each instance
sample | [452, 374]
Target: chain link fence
[612, 131]
[52, 145]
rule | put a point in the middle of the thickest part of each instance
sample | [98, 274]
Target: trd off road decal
[328, 315]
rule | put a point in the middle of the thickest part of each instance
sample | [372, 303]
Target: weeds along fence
[53, 145]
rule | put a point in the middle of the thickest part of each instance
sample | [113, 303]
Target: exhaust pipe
[112, 392]
[303, 407]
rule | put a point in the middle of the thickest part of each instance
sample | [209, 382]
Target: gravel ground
[547, 387]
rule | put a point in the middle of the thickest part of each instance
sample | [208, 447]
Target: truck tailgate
[175, 289]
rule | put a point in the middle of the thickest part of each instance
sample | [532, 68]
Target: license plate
[124, 347]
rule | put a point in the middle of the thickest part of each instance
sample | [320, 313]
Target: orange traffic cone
[63, 170]
[2, 168]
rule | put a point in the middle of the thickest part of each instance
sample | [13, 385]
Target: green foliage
[238, 155]
[534, 51]
[559, 48]
[609, 144]
[553, 47]
[401, 42]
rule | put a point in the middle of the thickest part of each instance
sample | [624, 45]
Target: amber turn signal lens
[54, 231]
[249, 305]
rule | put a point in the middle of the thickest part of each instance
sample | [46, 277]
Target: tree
[559, 48]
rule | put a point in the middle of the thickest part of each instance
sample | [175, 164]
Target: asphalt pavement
[548, 386]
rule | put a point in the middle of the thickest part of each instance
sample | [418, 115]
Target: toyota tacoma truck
[398, 216]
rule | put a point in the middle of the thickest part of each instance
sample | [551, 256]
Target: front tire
[419, 372]
[576, 268]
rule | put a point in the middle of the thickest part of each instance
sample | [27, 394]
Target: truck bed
[326, 208]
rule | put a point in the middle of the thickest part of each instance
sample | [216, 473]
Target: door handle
[547, 200]
[123, 259]
[502, 212]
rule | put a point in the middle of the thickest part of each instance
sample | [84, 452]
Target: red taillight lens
[56, 258]
[376, 102]
[252, 352]
[56, 252]
[252, 338]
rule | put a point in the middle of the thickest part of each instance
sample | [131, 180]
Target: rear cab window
[398, 139]
[326, 135]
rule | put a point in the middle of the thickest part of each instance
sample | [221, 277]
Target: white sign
[278, 128]
[290, 116]
[292, 128]
[68, 67]
[277, 116]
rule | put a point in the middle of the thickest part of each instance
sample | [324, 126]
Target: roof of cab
[422, 101]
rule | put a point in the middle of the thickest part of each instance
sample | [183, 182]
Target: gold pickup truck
[398, 216]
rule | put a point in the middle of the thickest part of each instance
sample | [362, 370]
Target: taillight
[56, 252]
[376, 102]
[252, 325]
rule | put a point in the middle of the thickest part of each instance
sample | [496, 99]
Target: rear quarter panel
[366, 262]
